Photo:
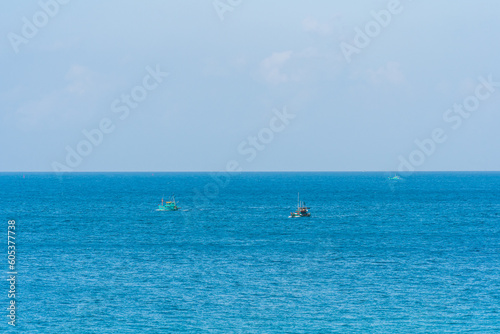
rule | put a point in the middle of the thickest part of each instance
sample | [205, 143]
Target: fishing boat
[168, 205]
[301, 209]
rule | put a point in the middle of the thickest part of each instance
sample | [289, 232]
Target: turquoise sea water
[93, 256]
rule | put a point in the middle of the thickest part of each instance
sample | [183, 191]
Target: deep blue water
[93, 256]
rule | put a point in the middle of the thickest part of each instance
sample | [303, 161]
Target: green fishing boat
[168, 205]
[301, 210]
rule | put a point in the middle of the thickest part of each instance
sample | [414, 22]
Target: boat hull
[295, 215]
[167, 208]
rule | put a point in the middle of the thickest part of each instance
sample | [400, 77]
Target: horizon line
[267, 171]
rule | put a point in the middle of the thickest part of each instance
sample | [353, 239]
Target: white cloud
[272, 67]
[312, 25]
[30, 114]
[81, 80]
[70, 103]
[390, 73]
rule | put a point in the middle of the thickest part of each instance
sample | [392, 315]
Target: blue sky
[231, 79]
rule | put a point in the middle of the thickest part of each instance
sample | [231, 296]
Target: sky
[225, 85]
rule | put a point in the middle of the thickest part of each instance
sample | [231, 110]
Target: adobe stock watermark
[121, 107]
[454, 117]
[30, 28]
[223, 6]
[363, 37]
[247, 149]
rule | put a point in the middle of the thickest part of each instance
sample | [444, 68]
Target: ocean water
[418, 255]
